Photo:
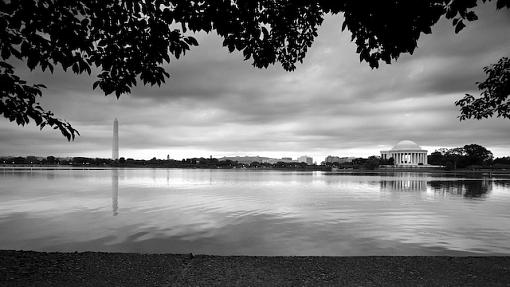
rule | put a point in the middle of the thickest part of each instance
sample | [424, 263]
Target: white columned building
[406, 153]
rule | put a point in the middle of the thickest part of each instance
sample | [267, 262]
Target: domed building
[406, 153]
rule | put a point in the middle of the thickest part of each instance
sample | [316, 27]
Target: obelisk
[115, 147]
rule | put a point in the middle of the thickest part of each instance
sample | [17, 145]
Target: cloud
[216, 103]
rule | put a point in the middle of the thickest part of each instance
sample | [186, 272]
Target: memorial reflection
[404, 184]
[115, 191]
[467, 188]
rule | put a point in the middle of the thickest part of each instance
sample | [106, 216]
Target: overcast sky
[217, 104]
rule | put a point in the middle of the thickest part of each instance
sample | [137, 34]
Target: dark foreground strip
[22, 268]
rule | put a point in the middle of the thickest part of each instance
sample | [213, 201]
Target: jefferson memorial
[406, 153]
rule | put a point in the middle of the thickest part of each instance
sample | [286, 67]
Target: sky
[216, 104]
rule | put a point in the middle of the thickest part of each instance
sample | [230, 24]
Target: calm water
[246, 212]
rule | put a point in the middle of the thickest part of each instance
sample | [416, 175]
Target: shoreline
[28, 268]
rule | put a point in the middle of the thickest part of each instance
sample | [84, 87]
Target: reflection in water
[245, 212]
[467, 188]
[115, 191]
[404, 184]
[502, 183]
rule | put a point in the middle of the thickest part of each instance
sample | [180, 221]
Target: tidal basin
[254, 212]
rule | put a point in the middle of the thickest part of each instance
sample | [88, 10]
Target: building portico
[406, 153]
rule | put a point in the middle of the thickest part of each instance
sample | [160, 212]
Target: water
[245, 212]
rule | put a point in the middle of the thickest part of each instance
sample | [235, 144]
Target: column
[115, 142]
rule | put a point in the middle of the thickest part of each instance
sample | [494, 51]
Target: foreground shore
[26, 268]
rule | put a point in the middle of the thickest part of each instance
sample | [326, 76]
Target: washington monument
[115, 146]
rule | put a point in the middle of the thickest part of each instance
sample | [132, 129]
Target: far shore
[29, 268]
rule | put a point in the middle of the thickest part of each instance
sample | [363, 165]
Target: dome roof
[406, 145]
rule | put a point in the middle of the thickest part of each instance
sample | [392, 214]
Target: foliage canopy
[129, 41]
[461, 157]
[495, 95]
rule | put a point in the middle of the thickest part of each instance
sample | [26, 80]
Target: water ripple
[254, 213]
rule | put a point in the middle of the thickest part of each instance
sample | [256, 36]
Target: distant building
[246, 159]
[337, 159]
[306, 159]
[406, 153]
[283, 159]
[259, 159]
[332, 159]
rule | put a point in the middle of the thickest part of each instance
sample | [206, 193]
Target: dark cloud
[216, 103]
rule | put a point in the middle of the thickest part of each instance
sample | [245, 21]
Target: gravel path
[23, 268]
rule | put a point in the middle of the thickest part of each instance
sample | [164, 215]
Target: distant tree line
[370, 163]
[154, 162]
[468, 156]
[502, 161]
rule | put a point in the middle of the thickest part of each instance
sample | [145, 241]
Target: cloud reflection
[254, 213]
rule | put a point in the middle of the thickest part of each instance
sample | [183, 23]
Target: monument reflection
[115, 191]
